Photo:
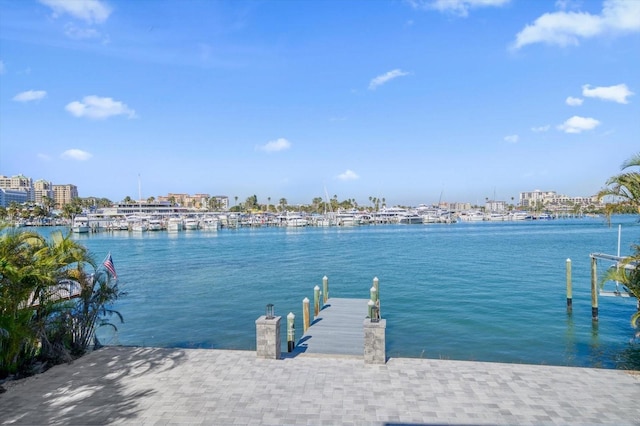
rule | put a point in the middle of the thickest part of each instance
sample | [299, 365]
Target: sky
[415, 101]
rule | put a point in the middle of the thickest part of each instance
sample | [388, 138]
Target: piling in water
[569, 294]
[594, 290]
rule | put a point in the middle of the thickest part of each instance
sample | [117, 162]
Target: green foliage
[34, 324]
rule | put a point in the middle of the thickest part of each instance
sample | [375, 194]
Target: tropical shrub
[35, 324]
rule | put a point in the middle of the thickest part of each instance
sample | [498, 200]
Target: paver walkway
[125, 385]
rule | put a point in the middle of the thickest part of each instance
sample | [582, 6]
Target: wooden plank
[338, 329]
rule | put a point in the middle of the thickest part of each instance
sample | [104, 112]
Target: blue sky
[412, 101]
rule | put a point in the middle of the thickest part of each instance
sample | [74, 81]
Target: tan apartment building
[64, 194]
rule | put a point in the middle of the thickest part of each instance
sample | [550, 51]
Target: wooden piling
[594, 290]
[316, 302]
[291, 332]
[325, 289]
[370, 305]
[376, 284]
[569, 292]
[305, 314]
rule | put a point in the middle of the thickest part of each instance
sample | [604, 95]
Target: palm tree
[627, 273]
[624, 187]
[33, 324]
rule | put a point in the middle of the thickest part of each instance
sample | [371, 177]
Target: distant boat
[155, 225]
[410, 219]
[80, 225]
[191, 224]
[174, 224]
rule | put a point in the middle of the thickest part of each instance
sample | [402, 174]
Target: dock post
[316, 302]
[374, 341]
[325, 289]
[376, 284]
[569, 293]
[370, 305]
[305, 314]
[268, 344]
[594, 290]
[291, 331]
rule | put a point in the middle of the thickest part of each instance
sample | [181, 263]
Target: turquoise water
[469, 291]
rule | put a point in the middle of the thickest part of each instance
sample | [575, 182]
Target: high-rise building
[19, 182]
[41, 189]
[64, 194]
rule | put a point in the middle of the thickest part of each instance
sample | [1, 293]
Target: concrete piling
[305, 314]
[316, 302]
[325, 289]
[291, 332]
[569, 292]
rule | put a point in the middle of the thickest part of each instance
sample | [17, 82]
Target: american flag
[108, 263]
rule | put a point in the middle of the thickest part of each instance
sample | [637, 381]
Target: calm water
[483, 291]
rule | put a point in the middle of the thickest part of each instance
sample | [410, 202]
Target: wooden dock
[338, 329]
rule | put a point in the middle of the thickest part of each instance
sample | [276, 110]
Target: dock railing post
[325, 289]
[291, 331]
[376, 284]
[305, 314]
[594, 289]
[569, 293]
[316, 302]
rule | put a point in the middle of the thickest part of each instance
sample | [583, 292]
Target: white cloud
[74, 32]
[279, 144]
[540, 129]
[512, 138]
[385, 78]
[90, 11]
[456, 7]
[99, 108]
[578, 124]
[567, 28]
[348, 175]
[571, 101]
[618, 93]
[75, 154]
[30, 95]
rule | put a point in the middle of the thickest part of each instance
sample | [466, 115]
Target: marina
[485, 291]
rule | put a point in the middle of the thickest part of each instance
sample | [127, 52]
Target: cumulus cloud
[512, 138]
[385, 78]
[96, 107]
[577, 124]
[75, 154]
[567, 28]
[540, 129]
[571, 101]
[348, 175]
[90, 11]
[618, 93]
[30, 95]
[456, 7]
[279, 144]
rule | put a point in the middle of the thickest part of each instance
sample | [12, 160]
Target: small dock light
[270, 314]
[375, 314]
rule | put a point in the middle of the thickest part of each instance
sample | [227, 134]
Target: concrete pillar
[374, 342]
[268, 343]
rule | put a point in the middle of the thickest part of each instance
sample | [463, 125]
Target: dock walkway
[338, 329]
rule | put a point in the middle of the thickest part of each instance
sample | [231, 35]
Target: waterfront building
[20, 182]
[64, 194]
[42, 189]
[8, 196]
